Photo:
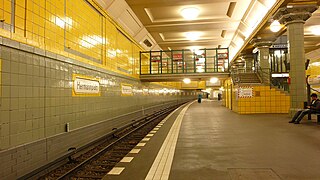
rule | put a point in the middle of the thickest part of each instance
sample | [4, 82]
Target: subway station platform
[208, 141]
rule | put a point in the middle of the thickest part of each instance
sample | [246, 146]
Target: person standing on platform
[219, 96]
[199, 97]
[313, 108]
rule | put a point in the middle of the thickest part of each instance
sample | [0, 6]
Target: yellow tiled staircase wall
[264, 100]
[269, 101]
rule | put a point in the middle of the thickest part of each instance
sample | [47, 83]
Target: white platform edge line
[162, 164]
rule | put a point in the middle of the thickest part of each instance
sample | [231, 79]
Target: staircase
[280, 84]
[248, 78]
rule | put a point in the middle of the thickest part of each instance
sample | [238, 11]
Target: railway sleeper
[123, 149]
[99, 170]
[89, 176]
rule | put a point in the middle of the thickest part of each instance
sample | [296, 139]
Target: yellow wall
[227, 95]
[269, 100]
[192, 85]
[77, 29]
[314, 72]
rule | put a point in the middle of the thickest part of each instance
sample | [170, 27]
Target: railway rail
[96, 162]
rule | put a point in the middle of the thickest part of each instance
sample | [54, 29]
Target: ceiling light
[315, 30]
[190, 13]
[214, 80]
[186, 80]
[192, 36]
[275, 26]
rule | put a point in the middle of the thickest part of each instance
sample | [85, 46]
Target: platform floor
[210, 141]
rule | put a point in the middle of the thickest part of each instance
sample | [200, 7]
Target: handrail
[183, 61]
[315, 90]
[280, 84]
[234, 73]
[264, 74]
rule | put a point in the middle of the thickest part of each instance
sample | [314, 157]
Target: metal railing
[234, 74]
[280, 84]
[264, 74]
[215, 60]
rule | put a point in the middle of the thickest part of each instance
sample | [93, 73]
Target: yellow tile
[268, 104]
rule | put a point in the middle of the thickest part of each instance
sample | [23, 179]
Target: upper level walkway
[174, 64]
[208, 141]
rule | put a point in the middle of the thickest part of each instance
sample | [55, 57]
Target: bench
[318, 117]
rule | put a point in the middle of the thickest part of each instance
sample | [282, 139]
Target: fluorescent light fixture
[192, 36]
[214, 80]
[190, 13]
[275, 26]
[281, 75]
[186, 80]
[315, 30]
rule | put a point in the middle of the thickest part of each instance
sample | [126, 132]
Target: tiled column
[263, 47]
[294, 16]
[248, 59]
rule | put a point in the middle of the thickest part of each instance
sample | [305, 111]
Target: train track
[97, 162]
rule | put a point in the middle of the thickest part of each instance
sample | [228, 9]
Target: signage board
[245, 92]
[126, 90]
[85, 86]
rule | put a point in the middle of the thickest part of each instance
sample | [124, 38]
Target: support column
[264, 63]
[248, 59]
[294, 17]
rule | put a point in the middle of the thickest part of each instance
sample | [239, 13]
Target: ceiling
[311, 41]
[164, 22]
[221, 23]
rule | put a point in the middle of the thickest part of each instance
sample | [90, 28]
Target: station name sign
[85, 86]
[126, 90]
